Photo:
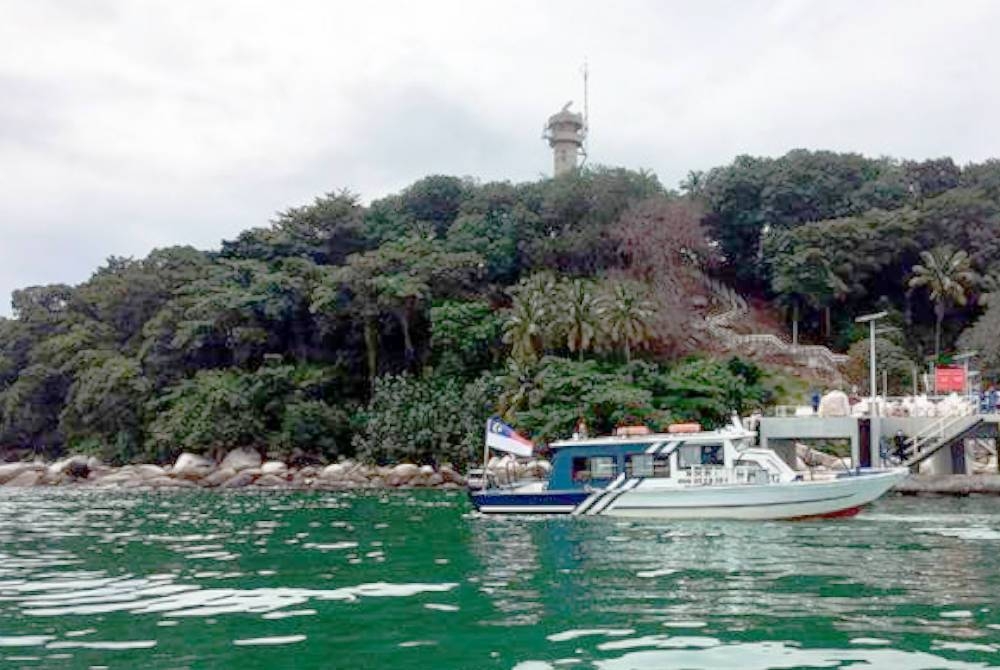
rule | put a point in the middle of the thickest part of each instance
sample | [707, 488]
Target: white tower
[565, 132]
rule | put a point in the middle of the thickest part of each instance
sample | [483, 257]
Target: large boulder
[403, 474]
[450, 475]
[270, 480]
[241, 479]
[333, 472]
[192, 466]
[26, 478]
[119, 478]
[273, 468]
[241, 459]
[9, 471]
[147, 471]
[220, 476]
[168, 483]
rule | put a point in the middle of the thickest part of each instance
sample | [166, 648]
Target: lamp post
[876, 437]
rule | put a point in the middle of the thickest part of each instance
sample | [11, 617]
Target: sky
[127, 125]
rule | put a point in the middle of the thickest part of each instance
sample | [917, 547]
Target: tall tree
[525, 326]
[627, 314]
[947, 275]
[579, 314]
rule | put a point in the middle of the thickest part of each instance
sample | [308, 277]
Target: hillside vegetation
[391, 331]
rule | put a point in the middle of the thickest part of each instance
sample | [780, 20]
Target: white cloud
[128, 125]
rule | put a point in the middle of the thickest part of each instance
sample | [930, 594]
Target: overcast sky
[128, 125]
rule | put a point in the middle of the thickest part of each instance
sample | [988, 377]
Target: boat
[702, 474]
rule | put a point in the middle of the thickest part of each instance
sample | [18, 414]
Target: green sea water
[149, 580]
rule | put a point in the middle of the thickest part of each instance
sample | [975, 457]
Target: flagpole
[486, 454]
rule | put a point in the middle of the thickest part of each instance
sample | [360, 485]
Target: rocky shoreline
[245, 468]
[241, 468]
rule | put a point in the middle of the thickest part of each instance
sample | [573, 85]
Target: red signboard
[949, 379]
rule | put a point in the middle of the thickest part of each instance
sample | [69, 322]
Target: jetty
[949, 443]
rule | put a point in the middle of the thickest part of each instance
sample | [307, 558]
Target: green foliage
[548, 400]
[426, 420]
[753, 194]
[104, 408]
[277, 408]
[325, 232]
[890, 356]
[465, 336]
[947, 275]
[408, 307]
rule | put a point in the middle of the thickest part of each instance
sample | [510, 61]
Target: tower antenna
[586, 111]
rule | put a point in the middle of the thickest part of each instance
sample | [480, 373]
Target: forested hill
[392, 331]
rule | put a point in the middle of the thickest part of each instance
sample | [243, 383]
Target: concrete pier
[951, 459]
[950, 485]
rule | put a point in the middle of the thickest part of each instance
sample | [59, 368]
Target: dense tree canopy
[391, 330]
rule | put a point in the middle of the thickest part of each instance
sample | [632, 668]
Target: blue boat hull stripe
[597, 495]
[526, 509]
[607, 501]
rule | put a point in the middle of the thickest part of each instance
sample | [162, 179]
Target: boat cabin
[725, 456]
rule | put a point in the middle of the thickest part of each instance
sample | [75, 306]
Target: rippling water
[414, 580]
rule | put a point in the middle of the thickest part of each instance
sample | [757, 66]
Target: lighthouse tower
[565, 132]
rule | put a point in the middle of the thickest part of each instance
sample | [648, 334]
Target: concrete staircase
[937, 435]
[735, 309]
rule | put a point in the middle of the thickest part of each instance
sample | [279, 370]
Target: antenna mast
[586, 112]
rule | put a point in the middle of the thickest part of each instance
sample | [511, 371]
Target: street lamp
[870, 319]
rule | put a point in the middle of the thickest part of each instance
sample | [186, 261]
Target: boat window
[647, 465]
[700, 454]
[753, 472]
[593, 467]
[581, 470]
[602, 467]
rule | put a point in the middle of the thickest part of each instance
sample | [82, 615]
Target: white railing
[719, 324]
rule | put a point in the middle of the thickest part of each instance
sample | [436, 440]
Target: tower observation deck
[565, 132]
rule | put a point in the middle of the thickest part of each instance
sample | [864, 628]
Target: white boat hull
[773, 501]
[653, 498]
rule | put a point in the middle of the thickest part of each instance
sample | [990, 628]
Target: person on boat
[580, 432]
[815, 401]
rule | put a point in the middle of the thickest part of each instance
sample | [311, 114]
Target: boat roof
[701, 437]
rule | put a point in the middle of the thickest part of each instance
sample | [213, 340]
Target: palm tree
[627, 314]
[947, 275]
[579, 318]
[524, 329]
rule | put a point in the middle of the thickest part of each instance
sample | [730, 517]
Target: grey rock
[450, 475]
[9, 471]
[192, 466]
[273, 468]
[219, 477]
[335, 471]
[240, 480]
[147, 471]
[269, 480]
[25, 479]
[241, 459]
